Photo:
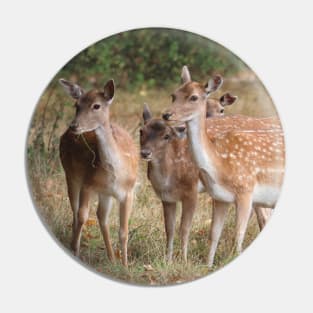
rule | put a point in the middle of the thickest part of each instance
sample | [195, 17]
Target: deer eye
[96, 106]
[222, 111]
[193, 98]
[173, 98]
[167, 137]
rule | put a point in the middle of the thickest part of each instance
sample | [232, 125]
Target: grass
[147, 235]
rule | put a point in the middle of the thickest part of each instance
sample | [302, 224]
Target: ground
[147, 236]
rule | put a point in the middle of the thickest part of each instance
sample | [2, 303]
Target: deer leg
[218, 218]
[267, 212]
[263, 215]
[169, 211]
[243, 212]
[125, 210]
[73, 190]
[188, 209]
[83, 213]
[103, 212]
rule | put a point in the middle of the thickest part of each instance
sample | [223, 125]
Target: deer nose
[145, 153]
[166, 116]
[74, 125]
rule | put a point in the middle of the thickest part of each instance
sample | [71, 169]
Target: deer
[173, 174]
[216, 107]
[99, 158]
[240, 122]
[238, 166]
[174, 179]
[244, 122]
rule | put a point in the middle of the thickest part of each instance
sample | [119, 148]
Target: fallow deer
[98, 157]
[240, 122]
[216, 107]
[173, 174]
[244, 167]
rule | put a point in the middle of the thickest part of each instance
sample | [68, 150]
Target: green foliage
[150, 57]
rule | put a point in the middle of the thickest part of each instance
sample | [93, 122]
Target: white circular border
[40, 38]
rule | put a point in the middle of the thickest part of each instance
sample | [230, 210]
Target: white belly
[265, 195]
[220, 193]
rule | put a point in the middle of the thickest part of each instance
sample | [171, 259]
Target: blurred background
[145, 65]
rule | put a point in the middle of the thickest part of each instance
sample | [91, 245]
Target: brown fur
[173, 176]
[241, 158]
[79, 155]
[216, 107]
[98, 158]
[175, 164]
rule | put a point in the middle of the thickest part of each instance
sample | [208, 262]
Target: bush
[151, 57]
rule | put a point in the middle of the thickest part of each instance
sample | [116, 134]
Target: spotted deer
[244, 167]
[98, 157]
[240, 122]
[174, 175]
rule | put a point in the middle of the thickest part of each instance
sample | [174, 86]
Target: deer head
[92, 107]
[191, 98]
[155, 135]
[216, 107]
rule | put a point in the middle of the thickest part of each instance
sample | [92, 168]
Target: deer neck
[106, 146]
[202, 149]
[161, 166]
[161, 163]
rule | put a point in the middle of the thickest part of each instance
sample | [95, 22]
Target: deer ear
[146, 114]
[214, 83]
[227, 99]
[185, 75]
[72, 89]
[108, 90]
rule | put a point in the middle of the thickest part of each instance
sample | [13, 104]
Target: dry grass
[147, 236]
